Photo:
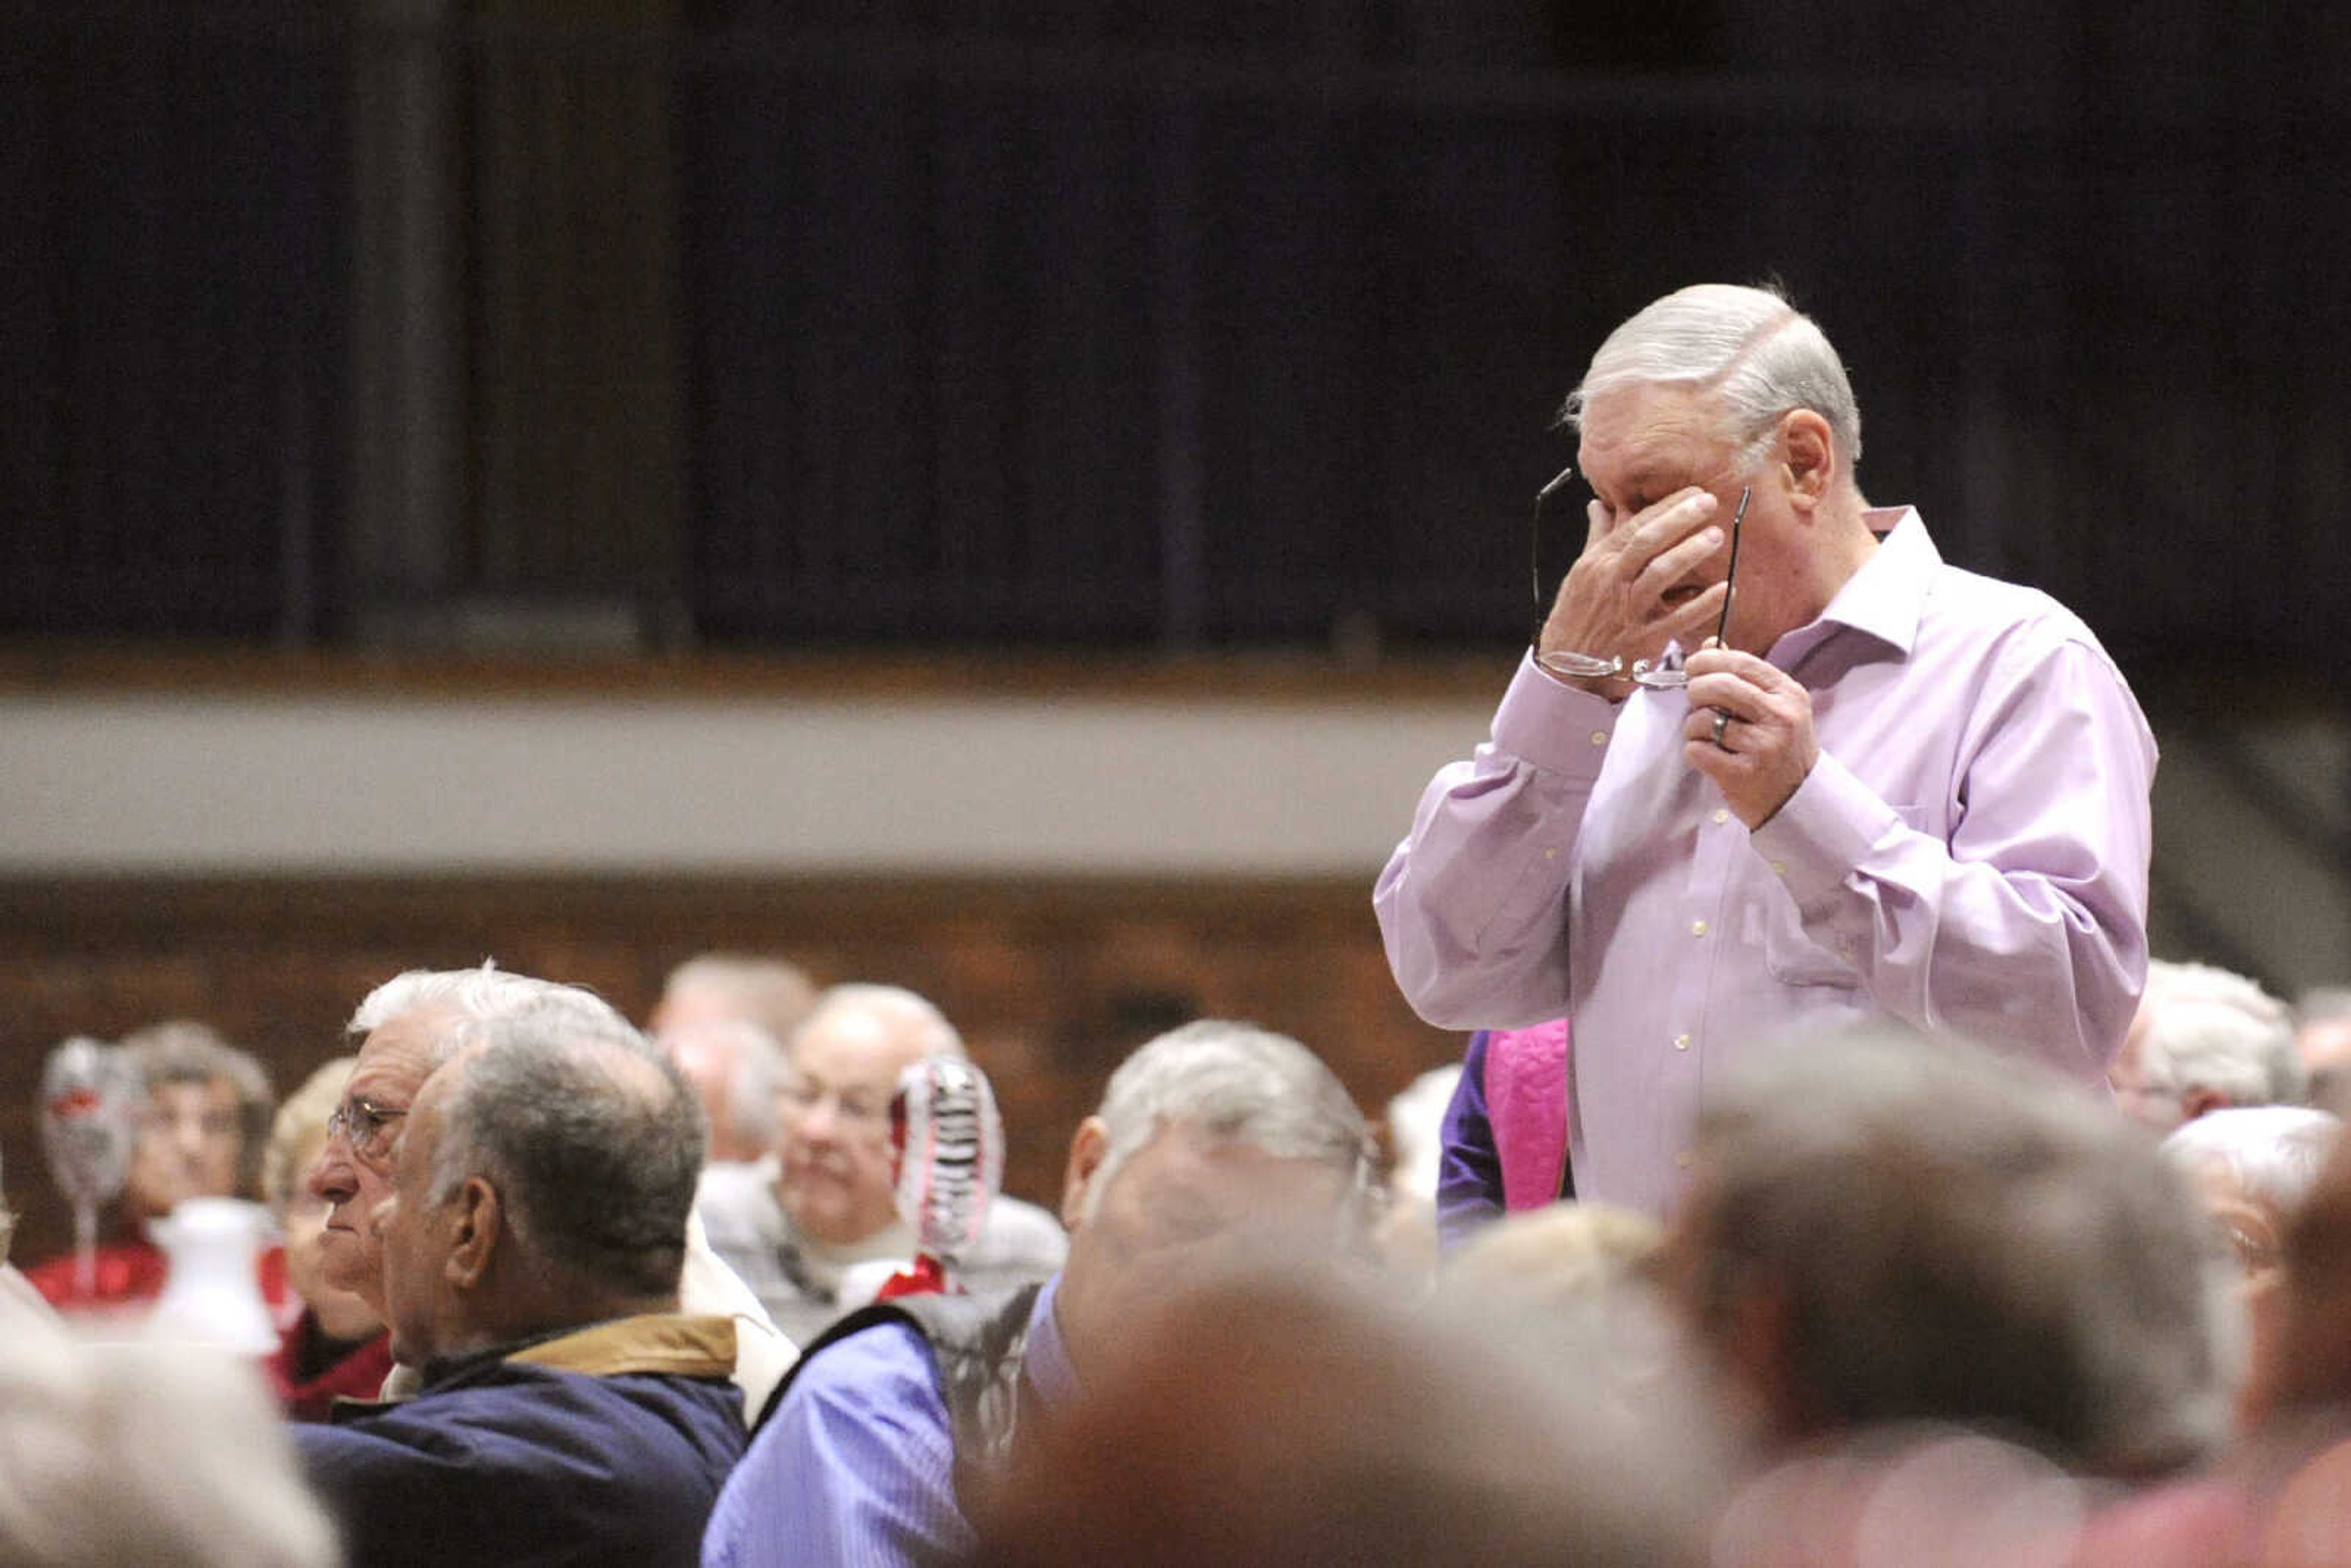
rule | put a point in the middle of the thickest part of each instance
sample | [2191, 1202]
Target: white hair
[148, 1455]
[1237, 1082]
[1759, 356]
[902, 1011]
[2272, 1153]
[755, 1074]
[2209, 1028]
[769, 992]
[476, 997]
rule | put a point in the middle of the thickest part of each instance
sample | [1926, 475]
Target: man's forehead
[1647, 432]
[857, 1047]
[397, 1055]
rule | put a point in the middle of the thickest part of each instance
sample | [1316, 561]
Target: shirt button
[1697, 927]
[1599, 737]
[1779, 868]
[1681, 1042]
[1721, 815]
[1551, 851]
[1682, 1159]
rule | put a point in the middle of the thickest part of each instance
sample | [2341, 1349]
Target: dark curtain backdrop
[986, 323]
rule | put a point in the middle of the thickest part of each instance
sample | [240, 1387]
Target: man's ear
[477, 1224]
[1808, 457]
[1086, 1153]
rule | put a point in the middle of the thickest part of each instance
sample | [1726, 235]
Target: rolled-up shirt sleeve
[1472, 905]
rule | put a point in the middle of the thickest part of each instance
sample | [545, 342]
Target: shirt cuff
[1824, 833]
[1555, 726]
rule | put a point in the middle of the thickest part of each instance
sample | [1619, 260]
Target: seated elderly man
[406, 1028]
[1216, 1144]
[2203, 1038]
[815, 1227]
[567, 1412]
[737, 1071]
[1883, 1230]
[723, 1016]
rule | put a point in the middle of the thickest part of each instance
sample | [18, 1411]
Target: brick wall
[1051, 982]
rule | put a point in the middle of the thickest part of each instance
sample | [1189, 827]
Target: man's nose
[330, 1177]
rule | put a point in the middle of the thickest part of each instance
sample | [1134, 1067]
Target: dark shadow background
[785, 325]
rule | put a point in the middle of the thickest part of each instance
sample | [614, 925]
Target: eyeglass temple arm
[1534, 547]
[1730, 572]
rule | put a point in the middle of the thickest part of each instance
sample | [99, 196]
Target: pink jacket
[1526, 1105]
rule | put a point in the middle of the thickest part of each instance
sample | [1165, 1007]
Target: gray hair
[1959, 1236]
[1759, 356]
[769, 992]
[1234, 1081]
[2208, 1028]
[182, 1051]
[755, 1075]
[144, 1454]
[477, 998]
[902, 1011]
[592, 1135]
[2272, 1153]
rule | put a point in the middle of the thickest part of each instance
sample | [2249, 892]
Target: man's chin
[347, 1268]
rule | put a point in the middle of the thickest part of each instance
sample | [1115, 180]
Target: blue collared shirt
[856, 1467]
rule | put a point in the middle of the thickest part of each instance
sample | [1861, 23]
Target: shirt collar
[1886, 597]
[1046, 1359]
[668, 1342]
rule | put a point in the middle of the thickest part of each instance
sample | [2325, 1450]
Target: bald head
[833, 1123]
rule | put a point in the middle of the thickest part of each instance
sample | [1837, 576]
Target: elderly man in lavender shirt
[1877, 786]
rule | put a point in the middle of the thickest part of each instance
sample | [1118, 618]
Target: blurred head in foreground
[1336, 1430]
[127, 1454]
[2251, 1167]
[1887, 1227]
[2310, 1371]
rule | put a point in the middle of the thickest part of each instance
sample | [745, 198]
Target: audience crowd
[554, 1289]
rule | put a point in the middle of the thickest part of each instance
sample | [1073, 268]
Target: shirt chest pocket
[1795, 954]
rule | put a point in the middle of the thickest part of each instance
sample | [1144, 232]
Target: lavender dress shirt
[1969, 853]
[856, 1467]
